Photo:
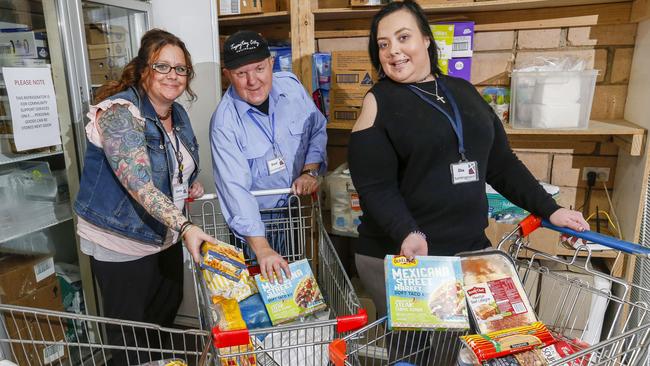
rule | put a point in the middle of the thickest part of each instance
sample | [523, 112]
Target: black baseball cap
[244, 47]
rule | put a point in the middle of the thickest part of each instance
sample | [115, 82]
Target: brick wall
[515, 38]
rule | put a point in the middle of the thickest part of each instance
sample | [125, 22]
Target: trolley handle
[532, 222]
[266, 192]
[608, 241]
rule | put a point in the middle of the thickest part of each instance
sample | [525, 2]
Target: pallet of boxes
[352, 77]
[30, 281]
[107, 52]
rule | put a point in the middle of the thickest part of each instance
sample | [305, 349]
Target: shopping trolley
[568, 304]
[296, 230]
[30, 336]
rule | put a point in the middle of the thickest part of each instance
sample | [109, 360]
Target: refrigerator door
[100, 38]
[38, 167]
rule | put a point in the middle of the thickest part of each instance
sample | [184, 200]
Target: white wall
[197, 26]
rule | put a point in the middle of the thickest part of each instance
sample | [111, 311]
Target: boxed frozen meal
[294, 297]
[225, 272]
[494, 292]
[425, 293]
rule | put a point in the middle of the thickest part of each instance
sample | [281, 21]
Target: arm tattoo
[126, 150]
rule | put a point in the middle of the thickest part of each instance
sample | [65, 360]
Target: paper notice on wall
[33, 107]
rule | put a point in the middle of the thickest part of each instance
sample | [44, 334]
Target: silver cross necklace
[438, 97]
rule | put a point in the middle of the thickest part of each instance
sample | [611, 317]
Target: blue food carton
[295, 297]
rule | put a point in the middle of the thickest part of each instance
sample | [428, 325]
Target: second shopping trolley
[580, 302]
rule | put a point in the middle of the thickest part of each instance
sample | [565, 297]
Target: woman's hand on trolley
[196, 190]
[193, 237]
[564, 217]
[414, 244]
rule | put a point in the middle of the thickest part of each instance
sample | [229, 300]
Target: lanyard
[179, 156]
[456, 122]
[259, 125]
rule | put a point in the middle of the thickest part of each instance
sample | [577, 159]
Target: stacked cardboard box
[107, 51]
[30, 281]
[352, 77]
[235, 7]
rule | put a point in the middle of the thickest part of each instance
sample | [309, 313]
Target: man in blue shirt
[266, 133]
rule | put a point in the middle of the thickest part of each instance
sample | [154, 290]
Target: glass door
[38, 174]
[100, 38]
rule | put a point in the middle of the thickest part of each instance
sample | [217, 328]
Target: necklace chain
[164, 116]
[438, 97]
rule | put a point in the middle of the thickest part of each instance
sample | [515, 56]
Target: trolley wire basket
[570, 306]
[296, 231]
[30, 336]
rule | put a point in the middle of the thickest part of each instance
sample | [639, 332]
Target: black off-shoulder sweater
[401, 169]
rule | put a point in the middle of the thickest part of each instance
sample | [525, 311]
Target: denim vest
[104, 202]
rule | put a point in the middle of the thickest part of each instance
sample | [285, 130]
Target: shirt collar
[242, 106]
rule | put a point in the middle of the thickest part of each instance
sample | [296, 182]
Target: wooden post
[303, 44]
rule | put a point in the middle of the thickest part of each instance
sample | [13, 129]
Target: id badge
[181, 192]
[464, 172]
[276, 165]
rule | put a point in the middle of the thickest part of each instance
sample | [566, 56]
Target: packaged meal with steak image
[295, 297]
[425, 293]
[496, 298]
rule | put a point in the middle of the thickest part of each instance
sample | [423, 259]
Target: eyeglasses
[163, 68]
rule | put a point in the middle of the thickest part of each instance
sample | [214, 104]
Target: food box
[495, 295]
[425, 293]
[225, 273]
[296, 296]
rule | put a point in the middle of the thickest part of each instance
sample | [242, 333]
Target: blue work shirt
[241, 147]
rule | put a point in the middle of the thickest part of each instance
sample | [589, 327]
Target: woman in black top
[421, 152]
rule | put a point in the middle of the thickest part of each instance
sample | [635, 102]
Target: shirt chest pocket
[298, 135]
[257, 156]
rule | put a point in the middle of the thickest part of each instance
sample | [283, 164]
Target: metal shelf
[6, 158]
[33, 217]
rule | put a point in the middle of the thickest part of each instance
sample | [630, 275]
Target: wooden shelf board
[626, 134]
[494, 5]
[254, 19]
[596, 127]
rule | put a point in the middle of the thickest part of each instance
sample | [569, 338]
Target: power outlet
[602, 174]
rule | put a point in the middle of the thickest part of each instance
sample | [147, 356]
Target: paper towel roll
[555, 115]
[557, 89]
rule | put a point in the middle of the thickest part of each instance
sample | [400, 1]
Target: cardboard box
[39, 354]
[352, 79]
[100, 33]
[104, 65]
[347, 97]
[346, 115]
[368, 2]
[230, 7]
[351, 60]
[47, 297]
[545, 240]
[24, 44]
[269, 6]
[22, 275]
[103, 51]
